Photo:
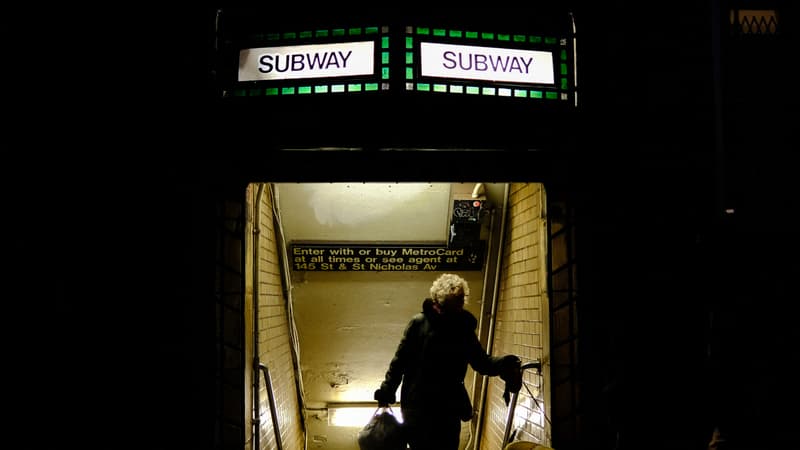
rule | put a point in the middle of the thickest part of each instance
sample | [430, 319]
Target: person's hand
[509, 365]
[384, 398]
[511, 373]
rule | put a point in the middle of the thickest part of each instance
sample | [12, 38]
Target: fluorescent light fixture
[355, 416]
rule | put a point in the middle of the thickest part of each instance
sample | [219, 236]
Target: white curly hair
[449, 285]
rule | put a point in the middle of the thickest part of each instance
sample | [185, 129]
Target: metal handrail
[272, 409]
[513, 403]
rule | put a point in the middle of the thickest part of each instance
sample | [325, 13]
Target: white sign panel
[486, 63]
[307, 61]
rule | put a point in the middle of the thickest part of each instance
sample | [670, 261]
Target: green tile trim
[490, 36]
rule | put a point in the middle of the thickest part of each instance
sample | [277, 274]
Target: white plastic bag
[382, 432]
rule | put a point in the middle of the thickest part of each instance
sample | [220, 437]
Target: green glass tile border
[318, 87]
[485, 35]
[332, 88]
[487, 91]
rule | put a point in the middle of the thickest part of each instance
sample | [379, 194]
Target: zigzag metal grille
[754, 23]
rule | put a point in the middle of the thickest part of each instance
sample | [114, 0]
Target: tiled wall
[520, 327]
[274, 340]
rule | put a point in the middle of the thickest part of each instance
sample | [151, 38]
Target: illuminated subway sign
[486, 63]
[307, 61]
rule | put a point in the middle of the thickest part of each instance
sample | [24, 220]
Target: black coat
[431, 362]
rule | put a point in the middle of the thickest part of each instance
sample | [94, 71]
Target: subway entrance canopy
[463, 78]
